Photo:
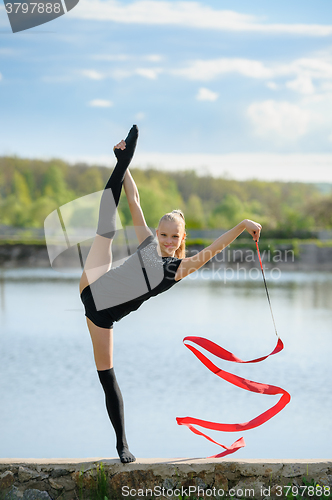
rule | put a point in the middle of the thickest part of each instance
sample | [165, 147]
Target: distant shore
[289, 255]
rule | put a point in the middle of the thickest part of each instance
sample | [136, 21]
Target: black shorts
[101, 318]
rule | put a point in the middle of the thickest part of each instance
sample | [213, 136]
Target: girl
[159, 263]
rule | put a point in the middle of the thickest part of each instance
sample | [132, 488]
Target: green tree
[54, 185]
[15, 208]
[30, 189]
[321, 213]
[194, 213]
[90, 181]
[292, 220]
[229, 211]
[152, 204]
[21, 189]
[40, 209]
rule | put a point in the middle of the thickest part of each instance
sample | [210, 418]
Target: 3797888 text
[33, 8]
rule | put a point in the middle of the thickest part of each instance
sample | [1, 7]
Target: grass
[99, 488]
[310, 490]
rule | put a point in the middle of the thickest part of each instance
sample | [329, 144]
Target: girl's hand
[121, 145]
[253, 228]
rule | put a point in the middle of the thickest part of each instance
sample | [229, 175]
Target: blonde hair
[177, 215]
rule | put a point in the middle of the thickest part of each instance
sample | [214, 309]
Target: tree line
[30, 189]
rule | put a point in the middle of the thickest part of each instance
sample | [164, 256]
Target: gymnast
[159, 263]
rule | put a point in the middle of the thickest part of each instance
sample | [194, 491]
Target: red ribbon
[248, 385]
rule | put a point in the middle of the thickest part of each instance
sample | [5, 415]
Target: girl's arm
[141, 229]
[191, 264]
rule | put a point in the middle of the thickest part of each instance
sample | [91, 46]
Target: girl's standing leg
[102, 340]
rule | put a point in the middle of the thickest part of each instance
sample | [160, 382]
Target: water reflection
[49, 387]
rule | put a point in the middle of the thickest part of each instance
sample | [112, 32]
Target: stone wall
[94, 479]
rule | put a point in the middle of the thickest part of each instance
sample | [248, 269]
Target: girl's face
[170, 235]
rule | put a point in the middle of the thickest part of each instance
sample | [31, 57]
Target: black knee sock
[111, 195]
[114, 405]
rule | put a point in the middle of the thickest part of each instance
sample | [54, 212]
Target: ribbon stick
[267, 292]
[248, 385]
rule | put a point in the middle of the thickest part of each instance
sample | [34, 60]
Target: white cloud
[154, 57]
[205, 94]
[188, 13]
[206, 70]
[57, 79]
[92, 74]
[272, 85]
[0, 76]
[111, 57]
[301, 84]
[182, 13]
[126, 57]
[311, 67]
[277, 120]
[297, 75]
[326, 86]
[120, 74]
[100, 103]
[316, 99]
[149, 73]
[140, 116]
[303, 68]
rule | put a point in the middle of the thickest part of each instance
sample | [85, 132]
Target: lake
[52, 404]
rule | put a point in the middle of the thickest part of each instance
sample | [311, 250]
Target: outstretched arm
[141, 229]
[191, 264]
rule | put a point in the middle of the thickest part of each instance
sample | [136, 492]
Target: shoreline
[291, 255]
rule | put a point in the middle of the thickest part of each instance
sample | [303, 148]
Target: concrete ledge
[177, 478]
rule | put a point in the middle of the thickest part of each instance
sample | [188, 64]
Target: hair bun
[178, 212]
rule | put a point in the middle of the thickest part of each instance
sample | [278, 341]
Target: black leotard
[124, 289]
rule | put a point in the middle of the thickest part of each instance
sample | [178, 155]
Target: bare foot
[125, 455]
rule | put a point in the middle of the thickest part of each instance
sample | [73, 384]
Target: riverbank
[292, 255]
[180, 478]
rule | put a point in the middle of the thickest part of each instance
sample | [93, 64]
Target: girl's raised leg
[99, 259]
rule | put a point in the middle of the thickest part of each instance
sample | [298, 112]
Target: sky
[234, 88]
